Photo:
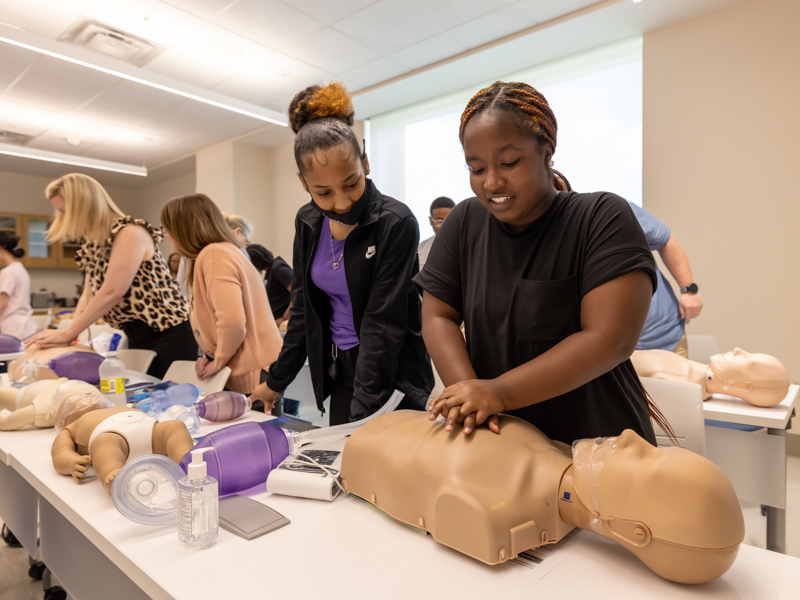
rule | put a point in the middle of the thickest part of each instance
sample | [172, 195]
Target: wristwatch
[690, 289]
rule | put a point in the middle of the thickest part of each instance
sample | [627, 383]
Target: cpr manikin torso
[15, 372]
[493, 496]
[760, 379]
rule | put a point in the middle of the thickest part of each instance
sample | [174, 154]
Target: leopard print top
[154, 296]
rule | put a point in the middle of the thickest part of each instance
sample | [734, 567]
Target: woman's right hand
[266, 395]
[200, 367]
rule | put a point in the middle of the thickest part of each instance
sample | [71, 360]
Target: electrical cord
[303, 460]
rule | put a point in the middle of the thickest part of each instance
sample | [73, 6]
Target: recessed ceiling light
[70, 159]
[86, 58]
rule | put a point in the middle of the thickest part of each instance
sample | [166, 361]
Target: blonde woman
[231, 317]
[127, 282]
[242, 229]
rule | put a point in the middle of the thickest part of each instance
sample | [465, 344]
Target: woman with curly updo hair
[355, 313]
[553, 286]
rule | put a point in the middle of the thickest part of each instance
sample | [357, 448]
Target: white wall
[721, 126]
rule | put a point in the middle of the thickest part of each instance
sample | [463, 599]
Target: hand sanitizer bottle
[198, 504]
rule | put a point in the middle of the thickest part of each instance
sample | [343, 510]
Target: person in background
[665, 328]
[440, 208]
[355, 313]
[278, 276]
[553, 286]
[15, 290]
[127, 281]
[242, 229]
[174, 263]
[230, 314]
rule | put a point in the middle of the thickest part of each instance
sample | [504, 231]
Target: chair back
[83, 336]
[136, 359]
[42, 321]
[182, 371]
[702, 347]
[96, 330]
[681, 403]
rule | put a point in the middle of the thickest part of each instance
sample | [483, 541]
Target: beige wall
[721, 127]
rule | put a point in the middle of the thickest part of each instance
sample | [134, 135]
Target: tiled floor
[15, 584]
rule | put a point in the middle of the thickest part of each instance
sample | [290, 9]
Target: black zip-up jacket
[380, 258]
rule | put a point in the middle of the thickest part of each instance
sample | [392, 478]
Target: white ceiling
[261, 52]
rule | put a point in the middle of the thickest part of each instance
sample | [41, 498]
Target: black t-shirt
[520, 295]
[279, 278]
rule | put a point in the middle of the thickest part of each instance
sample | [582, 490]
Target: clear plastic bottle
[198, 504]
[154, 402]
[112, 379]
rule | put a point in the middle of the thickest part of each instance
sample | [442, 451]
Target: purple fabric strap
[334, 283]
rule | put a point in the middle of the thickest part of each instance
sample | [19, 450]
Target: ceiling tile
[446, 14]
[13, 64]
[54, 85]
[386, 27]
[187, 117]
[428, 51]
[151, 20]
[268, 22]
[128, 103]
[375, 72]
[490, 27]
[205, 9]
[43, 17]
[544, 10]
[26, 119]
[230, 128]
[333, 51]
[326, 11]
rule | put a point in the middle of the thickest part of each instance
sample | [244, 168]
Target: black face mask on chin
[352, 216]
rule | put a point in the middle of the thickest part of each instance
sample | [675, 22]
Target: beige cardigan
[231, 317]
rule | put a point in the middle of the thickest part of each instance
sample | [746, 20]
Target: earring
[552, 163]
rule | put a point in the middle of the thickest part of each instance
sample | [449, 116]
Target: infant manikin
[36, 404]
[760, 379]
[107, 437]
[493, 496]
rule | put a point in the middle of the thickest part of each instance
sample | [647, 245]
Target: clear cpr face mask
[589, 457]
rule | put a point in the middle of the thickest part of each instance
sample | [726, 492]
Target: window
[596, 96]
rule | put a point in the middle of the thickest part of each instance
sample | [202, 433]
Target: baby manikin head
[760, 379]
[672, 508]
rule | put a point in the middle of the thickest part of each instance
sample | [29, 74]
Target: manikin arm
[65, 459]
[677, 263]
[132, 245]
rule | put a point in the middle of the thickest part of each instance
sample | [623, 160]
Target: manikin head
[760, 379]
[672, 508]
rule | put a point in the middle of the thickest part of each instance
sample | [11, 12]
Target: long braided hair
[534, 115]
[530, 109]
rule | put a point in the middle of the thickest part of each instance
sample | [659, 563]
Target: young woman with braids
[553, 286]
[355, 312]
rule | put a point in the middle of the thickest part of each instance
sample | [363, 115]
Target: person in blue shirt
[666, 321]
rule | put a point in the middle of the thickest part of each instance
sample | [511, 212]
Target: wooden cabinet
[32, 231]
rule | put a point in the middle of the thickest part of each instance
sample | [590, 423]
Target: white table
[343, 549]
[754, 461]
